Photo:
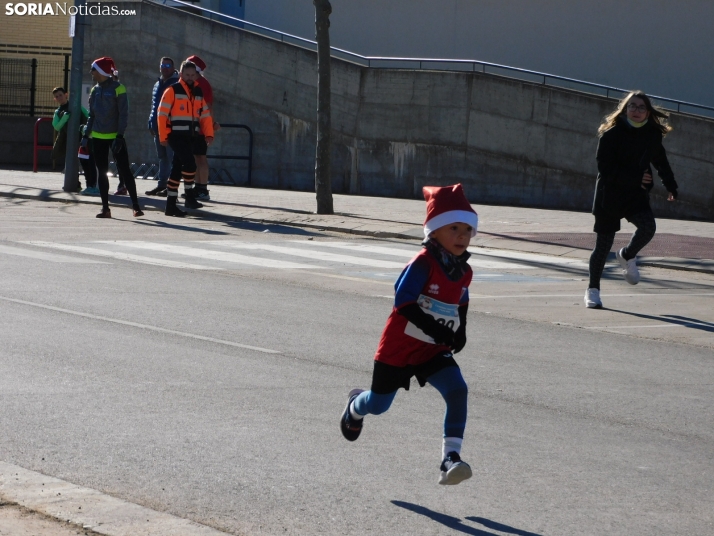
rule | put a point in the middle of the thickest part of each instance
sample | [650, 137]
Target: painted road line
[90, 508]
[351, 278]
[365, 248]
[636, 327]
[313, 254]
[222, 256]
[140, 326]
[43, 256]
[528, 257]
[474, 261]
[122, 256]
[522, 296]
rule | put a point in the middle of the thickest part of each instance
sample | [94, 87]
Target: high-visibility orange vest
[182, 111]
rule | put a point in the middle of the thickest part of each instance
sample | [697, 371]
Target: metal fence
[26, 85]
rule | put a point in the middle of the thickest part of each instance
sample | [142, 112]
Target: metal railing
[439, 64]
[248, 157]
[36, 143]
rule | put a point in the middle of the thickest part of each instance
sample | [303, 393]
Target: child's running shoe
[454, 470]
[350, 427]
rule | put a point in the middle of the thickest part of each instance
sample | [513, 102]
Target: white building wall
[664, 47]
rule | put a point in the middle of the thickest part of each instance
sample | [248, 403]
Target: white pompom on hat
[446, 205]
[105, 66]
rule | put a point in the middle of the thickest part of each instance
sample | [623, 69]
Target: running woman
[630, 145]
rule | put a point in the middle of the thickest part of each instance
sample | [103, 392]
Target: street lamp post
[71, 172]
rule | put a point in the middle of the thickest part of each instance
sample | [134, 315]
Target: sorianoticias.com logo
[61, 8]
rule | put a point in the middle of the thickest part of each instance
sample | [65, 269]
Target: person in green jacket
[59, 149]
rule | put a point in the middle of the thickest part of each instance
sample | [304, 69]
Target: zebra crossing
[375, 260]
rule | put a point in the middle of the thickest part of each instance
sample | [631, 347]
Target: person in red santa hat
[200, 147]
[427, 327]
[106, 124]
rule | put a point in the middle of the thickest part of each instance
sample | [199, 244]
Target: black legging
[100, 150]
[646, 227]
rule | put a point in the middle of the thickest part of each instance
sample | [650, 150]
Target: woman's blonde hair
[657, 115]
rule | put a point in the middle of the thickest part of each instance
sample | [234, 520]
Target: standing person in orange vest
[200, 147]
[182, 113]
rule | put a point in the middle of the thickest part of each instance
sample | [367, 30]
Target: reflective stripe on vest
[183, 115]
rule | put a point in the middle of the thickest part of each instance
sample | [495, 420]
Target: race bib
[443, 313]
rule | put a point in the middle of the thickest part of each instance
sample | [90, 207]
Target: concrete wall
[507, 141]
[660, 46]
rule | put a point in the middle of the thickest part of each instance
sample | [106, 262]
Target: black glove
[674, 193]
[84, 142]
[118, 145]
[428, 324]
[459, 339]
[441, 334]
[460, 335]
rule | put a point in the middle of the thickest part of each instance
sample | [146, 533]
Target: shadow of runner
[672, 319]
[501, 527]
[456, 524]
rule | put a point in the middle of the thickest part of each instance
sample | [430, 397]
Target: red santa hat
[447, 205]
[200, 64]
[105, 66]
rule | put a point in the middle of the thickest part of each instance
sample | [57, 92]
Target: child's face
[454, 237]
[60, 97]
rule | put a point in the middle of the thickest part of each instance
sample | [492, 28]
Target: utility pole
[71, 170]
[323, 181]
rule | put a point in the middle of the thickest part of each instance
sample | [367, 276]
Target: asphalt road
[208, 387]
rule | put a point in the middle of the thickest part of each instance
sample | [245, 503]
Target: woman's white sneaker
[629, 268]
[592, 298]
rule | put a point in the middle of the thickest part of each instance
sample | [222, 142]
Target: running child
[426, 327]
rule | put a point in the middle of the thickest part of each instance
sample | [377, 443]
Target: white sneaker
[629, 268]
[454, 470]
[592, 298]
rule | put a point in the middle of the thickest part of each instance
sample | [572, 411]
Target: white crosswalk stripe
[358, 259]
[314, 254]
[121, 256]
[203, 253]
[367, 248]
[41, 255]
[474, 261]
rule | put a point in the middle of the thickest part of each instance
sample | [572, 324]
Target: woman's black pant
[646, 227]
[100, 151]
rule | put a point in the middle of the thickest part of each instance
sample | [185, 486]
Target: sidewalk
[680, 245]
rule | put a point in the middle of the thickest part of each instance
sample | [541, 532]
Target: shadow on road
[167, 225]
[500, 526]
[673, 319]
[457, 524]
[271, 227]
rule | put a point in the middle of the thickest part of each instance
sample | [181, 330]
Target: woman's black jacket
[624, 153]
